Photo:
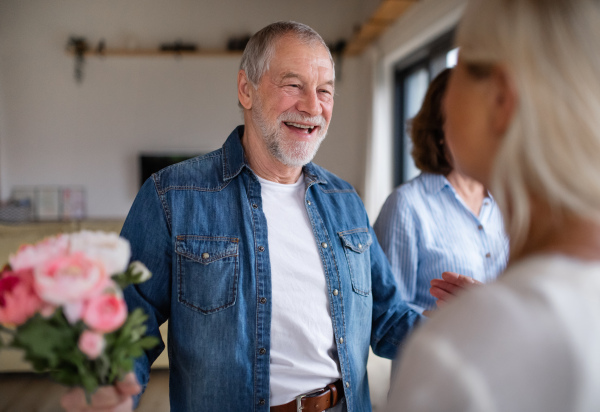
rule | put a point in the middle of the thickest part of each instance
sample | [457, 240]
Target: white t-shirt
[303, 352]
[528, 342]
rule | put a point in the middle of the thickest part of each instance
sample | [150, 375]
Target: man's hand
[117, 398]
[450, 285]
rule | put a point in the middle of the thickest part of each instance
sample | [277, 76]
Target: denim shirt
[199, 227]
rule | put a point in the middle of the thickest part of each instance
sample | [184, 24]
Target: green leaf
[43, 341]
[148, 342]
[66, 376]
[122, 280]
[102, 368]
[50, 345]
[89, 382]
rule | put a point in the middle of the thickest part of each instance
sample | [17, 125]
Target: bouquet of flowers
[61, 303]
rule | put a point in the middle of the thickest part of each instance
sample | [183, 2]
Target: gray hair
[261, 47]
[551, 150]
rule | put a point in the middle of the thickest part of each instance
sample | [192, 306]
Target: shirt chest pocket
[356, 243]
[207, 272]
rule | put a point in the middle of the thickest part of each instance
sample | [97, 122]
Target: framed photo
[73, 201]
[47, 203]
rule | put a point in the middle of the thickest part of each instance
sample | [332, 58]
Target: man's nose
[309, 103]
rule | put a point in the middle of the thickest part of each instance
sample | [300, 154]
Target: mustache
[298, 118]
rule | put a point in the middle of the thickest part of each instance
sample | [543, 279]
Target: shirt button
[263, 300]
[262, 351]
[261, 248]
[347, 384]
[335, 292]
[341, 340]
[487, 255]
[480, 227]
[324, 245]
[308, 202]
[205, 255]
[261, 402]
[254, 205]
[360, 246]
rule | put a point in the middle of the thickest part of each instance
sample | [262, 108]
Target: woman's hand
[117, 398]
[450, 285]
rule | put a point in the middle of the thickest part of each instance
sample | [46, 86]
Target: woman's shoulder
[540, 307]
[527, 333]
[552, 275]
[544, 286]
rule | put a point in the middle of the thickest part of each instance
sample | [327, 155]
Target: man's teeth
[301, 126]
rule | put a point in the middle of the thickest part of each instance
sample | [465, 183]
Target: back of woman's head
[427, 129]
[551, 151]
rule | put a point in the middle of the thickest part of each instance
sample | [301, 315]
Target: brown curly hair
[427, 129]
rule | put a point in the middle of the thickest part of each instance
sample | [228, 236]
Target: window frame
[429, 57]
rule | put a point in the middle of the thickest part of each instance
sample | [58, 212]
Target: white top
[528, 342]
[303, 355]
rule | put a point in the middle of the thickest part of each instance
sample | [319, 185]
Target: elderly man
[264, 263]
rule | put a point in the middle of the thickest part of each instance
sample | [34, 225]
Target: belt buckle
[305, 395]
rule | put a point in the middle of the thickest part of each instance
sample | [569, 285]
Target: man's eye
[294, 85]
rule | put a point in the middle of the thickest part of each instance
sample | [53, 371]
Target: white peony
[109, 248]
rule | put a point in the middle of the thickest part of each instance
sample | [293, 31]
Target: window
[413, 76]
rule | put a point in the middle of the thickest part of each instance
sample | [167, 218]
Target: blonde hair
[551, 151]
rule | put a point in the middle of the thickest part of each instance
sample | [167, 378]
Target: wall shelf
[78, 49]
[158, 53]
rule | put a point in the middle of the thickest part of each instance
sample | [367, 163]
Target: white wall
[54, 131]
[2, 133]
[343, 151]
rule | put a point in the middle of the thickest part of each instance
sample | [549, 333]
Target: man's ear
[245, 90]
[505, 100]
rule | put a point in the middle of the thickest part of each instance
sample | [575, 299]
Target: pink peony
[69, 279]
[18, 300]
[105, 313]
[32, 256]
[91, 344]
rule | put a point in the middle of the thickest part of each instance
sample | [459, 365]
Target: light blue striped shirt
[425, 229]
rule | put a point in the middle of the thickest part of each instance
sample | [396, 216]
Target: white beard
[291, 153]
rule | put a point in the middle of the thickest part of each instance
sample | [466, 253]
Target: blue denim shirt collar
[234, 159]
[233, 154]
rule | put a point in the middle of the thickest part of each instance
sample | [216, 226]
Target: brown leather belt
[316, 401]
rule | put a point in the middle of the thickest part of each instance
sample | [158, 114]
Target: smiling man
[288, 108]
[265, 264]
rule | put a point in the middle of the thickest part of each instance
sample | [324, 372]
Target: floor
[26, 392]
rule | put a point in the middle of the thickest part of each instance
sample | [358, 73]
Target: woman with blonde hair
[522, 117]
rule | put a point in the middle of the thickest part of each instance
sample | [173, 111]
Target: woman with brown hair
[443, 220]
